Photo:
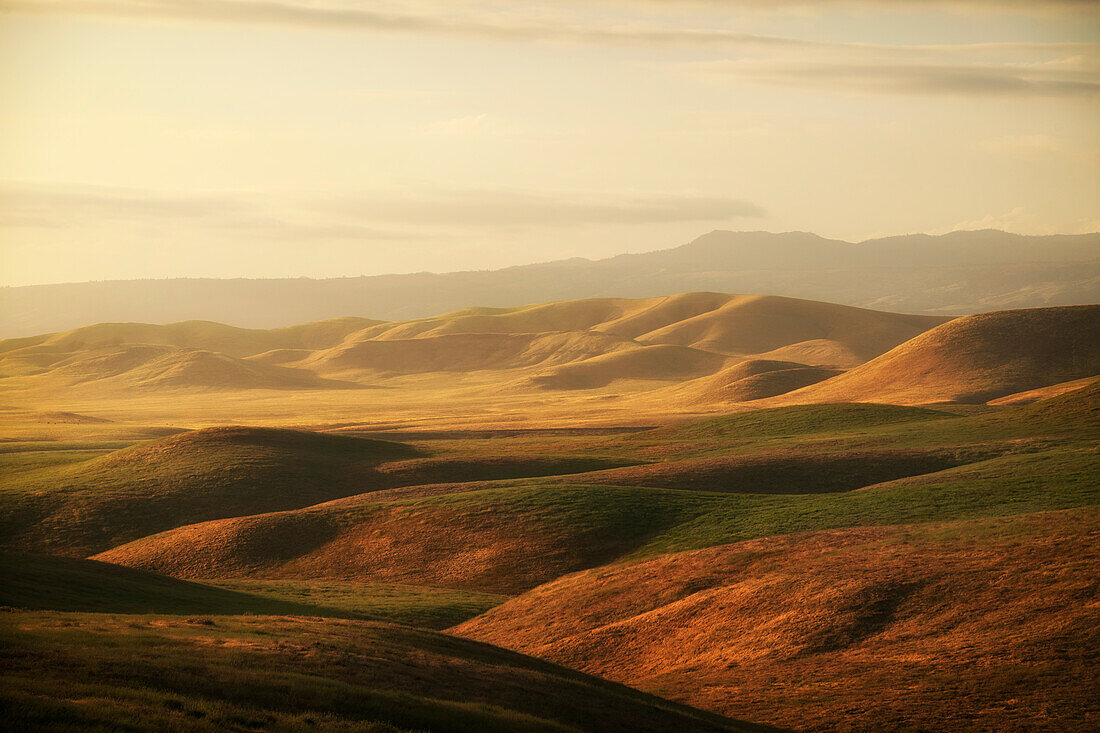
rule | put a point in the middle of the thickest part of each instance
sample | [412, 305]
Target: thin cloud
[380, 215]
[1030, 6]
[350, 17]
[63, 206]
[913, 78]
[347, 16]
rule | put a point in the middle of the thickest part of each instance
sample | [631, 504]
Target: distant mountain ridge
[951, 274]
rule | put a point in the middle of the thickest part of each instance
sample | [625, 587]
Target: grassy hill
[663, 362]
[979, 624]
[293, 673]
[764, 474]
[40, 582]
[974, 360]
[83, 506]
[167, 367]
[45, 583]
[80, 503]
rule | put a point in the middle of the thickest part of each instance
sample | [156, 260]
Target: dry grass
[987, 624]
[973, 360]
[572, 345]
[100, 672]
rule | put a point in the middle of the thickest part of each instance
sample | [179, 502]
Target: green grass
[798, 420]
[37, 582]
[33, 460]
[1059, 479]
[80, 508]
[415, 605]
[643, 522]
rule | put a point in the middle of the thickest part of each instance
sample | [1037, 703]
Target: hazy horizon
[581, 257]
[237, 139]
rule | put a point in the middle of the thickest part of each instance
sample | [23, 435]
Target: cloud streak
[1024, 69]
[912, 78]
[356, 17]
[410, 213]
[443, 20]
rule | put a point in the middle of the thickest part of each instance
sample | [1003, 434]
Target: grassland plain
[761, 563]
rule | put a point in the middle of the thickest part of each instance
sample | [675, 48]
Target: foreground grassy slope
[43, 583]
[510, 535]
[293, 673]
[986, 624]
[39, 582]
[414, 605]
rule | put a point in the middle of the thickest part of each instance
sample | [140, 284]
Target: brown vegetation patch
[986, 624]
[973, 360]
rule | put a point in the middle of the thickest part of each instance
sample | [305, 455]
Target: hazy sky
[263, 138]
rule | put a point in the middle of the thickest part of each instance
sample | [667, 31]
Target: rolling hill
[166, 367]
[511, 536]
[745, 381]
[46, 583]
[823, 566]
[180, 355]
[204, 335]
[298, 672]
[934, 626]
[83, 505]
[571, 345]
[973, 360]
[956, 273]
[751, 475]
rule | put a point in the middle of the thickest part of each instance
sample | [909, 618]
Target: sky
[320, 138]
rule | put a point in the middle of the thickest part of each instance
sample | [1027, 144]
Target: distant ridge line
[950, 274]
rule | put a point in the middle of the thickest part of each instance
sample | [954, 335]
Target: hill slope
[753, 475]
[83, 505]
[745, 381]
[166, 367]
[295, 673]
[570, 345]
[979, 624]
[87, 506]
[973, 360]
[40, 582]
